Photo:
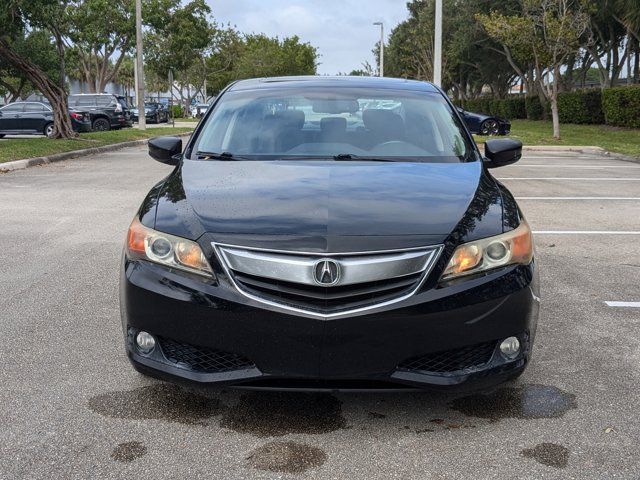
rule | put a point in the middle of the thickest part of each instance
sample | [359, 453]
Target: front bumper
[149, 117]
[210, 333]
[81, 127]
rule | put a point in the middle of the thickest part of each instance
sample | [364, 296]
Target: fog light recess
[510, 348]
[145, 342]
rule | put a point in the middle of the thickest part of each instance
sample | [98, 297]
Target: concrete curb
[58, 157]
[563, 148]
[592, 150]
[586, 150]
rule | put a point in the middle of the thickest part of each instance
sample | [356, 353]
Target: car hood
[423, 202]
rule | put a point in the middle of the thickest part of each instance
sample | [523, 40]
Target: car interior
[329, 127]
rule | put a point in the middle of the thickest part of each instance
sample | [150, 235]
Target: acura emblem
[326, 272]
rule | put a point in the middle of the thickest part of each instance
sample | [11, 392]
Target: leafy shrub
[510, 108]
[513, 108]
[479, 105]
[534, 109]
[621, 106]
[582, 106]
[177, 111]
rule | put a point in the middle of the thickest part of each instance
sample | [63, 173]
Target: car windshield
[318, 122]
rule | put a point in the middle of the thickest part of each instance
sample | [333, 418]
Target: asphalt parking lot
[71, 406]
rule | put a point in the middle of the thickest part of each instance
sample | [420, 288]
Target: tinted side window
[14, 108]
[105, 100]
[34, 107]
[85, 101]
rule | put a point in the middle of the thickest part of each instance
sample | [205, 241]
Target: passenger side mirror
[166, 149]
[502, 151]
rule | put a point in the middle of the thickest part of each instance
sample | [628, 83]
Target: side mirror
[502, 151]
[166, 149]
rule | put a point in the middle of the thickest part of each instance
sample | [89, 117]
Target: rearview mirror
[166, 149]
[502, 151]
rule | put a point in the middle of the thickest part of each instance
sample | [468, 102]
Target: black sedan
[310, 237]
[36, 118]
[154, 113]
[481, 124]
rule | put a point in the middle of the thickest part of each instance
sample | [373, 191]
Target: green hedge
[621, 106]
[534, 109]
[582, 106]
[177, 111]
[511, 107]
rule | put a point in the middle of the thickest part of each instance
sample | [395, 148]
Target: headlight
[514, 247]
[146, 244]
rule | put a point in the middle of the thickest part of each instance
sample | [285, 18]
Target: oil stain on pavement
[524, 401]
[548, 454]
[273, 414]
[286, 457]
[128, 451]
[156, 402]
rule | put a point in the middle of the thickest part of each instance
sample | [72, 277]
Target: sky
[341, 29]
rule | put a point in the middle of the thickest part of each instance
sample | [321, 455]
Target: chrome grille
[292, 280]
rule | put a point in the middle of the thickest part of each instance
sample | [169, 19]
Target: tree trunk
[555, 117]
[636, 63]
[55, 93]
[554, 102]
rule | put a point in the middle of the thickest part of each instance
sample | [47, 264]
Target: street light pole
[381, 67]
[142, 121]
[437, 48]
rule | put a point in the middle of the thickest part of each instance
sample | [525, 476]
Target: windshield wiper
[345, 157]
[228, 156]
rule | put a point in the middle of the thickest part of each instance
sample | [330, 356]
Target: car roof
[332, 81]
[82, 94]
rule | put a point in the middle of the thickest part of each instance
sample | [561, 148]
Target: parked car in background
[104, 108]
[482, 124]
[36, 118]
[126, 110]
[153, 112]
[199, 109]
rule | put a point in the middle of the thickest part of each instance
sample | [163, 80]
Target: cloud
[341, 29]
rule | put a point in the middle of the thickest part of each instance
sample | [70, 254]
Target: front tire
[490, 127]
[48, 130]
[100, 125]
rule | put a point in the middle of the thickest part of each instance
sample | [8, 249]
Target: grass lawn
[187, 119]
[613, 139]
[19, 148]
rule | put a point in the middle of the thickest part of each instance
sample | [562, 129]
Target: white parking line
[537, 165]
[578, 198]
[624, 304]
[599, 179]
[584, 232]
[528, 156]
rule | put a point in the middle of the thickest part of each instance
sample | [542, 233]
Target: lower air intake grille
[201, 359]
[448, 361]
